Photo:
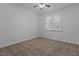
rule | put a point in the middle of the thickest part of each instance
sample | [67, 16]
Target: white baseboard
[30, 38]
[21, 40]
[58, 39]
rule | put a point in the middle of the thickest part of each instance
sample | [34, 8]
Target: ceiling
[54, 7]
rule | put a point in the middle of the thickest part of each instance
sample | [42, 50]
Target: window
[53, 22]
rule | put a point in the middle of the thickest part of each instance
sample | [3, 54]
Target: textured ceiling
[54, 7]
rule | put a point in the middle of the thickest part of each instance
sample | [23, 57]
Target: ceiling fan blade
[47, 5]
[35, 6]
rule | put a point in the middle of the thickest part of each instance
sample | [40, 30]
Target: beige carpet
[41, 47]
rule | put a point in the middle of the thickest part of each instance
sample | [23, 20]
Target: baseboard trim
[31, 37]
[58, 39]
[19, 41]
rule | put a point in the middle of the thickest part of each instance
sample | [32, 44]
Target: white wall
[16, 24]
[70, 31]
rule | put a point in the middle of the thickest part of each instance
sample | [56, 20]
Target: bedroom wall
[70, 33]
[16, 24]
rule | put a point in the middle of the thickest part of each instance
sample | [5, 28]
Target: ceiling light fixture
[42, 5]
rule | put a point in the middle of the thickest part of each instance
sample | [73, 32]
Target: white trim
[19, 41]
[30, 38]
[58, 39]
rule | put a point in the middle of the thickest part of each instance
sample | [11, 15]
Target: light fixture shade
[41, 5]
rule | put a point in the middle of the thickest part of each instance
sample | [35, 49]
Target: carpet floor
[41, 47]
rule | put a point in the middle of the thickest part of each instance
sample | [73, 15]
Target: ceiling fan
[42, 5]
